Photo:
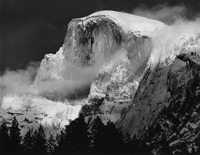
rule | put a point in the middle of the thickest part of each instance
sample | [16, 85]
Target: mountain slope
[99, 44]
[136, 72]
[165, 110]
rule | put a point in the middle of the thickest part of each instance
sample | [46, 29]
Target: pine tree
[97, 136]
[106, 138]
[113, 139]
[15, 137]
[28, 142]
[4, 140]
[40, 142]
[130, 144]
[61, 148]
[75, 138]
[51, 145]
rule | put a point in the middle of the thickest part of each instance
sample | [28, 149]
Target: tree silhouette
[40, 142]
[113, 142]
[96, 136]
[75, 138]
[4, 140]
[106, 138]
[15, 137]
[51, 144]
[61, 148]
[28, 142]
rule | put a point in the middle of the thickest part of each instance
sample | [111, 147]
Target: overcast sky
[31, 28]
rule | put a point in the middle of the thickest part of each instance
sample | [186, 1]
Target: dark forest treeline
[77, 138]
[11, 142]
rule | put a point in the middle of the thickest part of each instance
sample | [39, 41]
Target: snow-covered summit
[131, 23]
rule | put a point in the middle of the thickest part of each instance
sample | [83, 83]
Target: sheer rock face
[124, 52]
[103, 33]
[165, 110]
[178, 122]
[87, 40]
[118, 48]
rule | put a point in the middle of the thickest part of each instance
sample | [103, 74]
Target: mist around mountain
[120, 84]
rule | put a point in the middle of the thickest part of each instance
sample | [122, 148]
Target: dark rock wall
[99, 38]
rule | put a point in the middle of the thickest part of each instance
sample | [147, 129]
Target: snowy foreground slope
[32, 111]
[136, 72]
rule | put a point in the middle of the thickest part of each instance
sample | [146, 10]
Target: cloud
[182, 23]
[18, 82]
[179, 34]
[162, 12]
[75, 81]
